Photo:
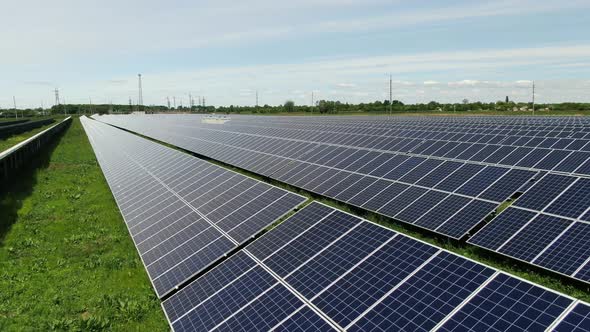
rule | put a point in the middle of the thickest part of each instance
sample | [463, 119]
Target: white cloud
[346, 85]
[69, 29]
[430, 83]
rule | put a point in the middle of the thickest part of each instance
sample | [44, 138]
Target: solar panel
[361, 277]
[181, 226]
[534, 237]
[544, 191]
[574, 201]
[502, 228]
[427, 297]
[508, 304]
[578, 320]
[374, 160]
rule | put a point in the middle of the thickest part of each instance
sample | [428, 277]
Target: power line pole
[168, 102]
[533, 98]
[312, 104]
[190, 101]
[174, 100]
[56, 91]
[390, 94]
[257, 99]
[15, 110]
[140, 97]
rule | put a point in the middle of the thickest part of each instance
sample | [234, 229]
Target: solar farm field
[518, 183]
[248, 223]
[448, 175]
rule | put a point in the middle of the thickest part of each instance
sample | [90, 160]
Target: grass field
[66, 259]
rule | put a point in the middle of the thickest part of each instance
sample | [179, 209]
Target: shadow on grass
[20, 184]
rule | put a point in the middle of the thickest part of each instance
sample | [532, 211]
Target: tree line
[321, 107]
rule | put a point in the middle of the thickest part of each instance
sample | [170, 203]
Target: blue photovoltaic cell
[507, 185]
[286, 231]
[552, 159]
[265, 312]
[390, 164]
[501, 228]
[573, 161]
[401, 201]
[198, 291]
[573, 202]
[338, 258]
[303, 321]
[224, 303]
[442, 212]
[381, 198]
[577, 320]
[459, 177]
[350, 296]
[355, 189]
[569, 252]
[427, 297]
[318, 237]
[420, 171]
[535, 237]
[584, 273]
[342, 185]
[196, 262]
[369, 192]
[508, 304]
[404, 168]
[417, 209]
[373, 164]
[438, 174]
[482, 181]
[544, 191]
[533, 157]
[470, 216]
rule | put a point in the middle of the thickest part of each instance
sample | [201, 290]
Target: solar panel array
[323, 269]
[444, 174]
[450, 197]
[183, 213]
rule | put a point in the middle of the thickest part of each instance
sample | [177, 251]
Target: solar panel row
[182, 213]
[323, 269]
[447, 196]
[548, 226]
[557, 148]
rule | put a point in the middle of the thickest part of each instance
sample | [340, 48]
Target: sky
[288, 50]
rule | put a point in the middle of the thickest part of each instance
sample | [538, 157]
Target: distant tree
[289, 106]
[507, 100]
[465, 101]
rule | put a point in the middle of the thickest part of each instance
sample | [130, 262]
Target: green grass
[66, 259]
[15, 139]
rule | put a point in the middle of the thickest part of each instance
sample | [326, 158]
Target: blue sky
[339, 49]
